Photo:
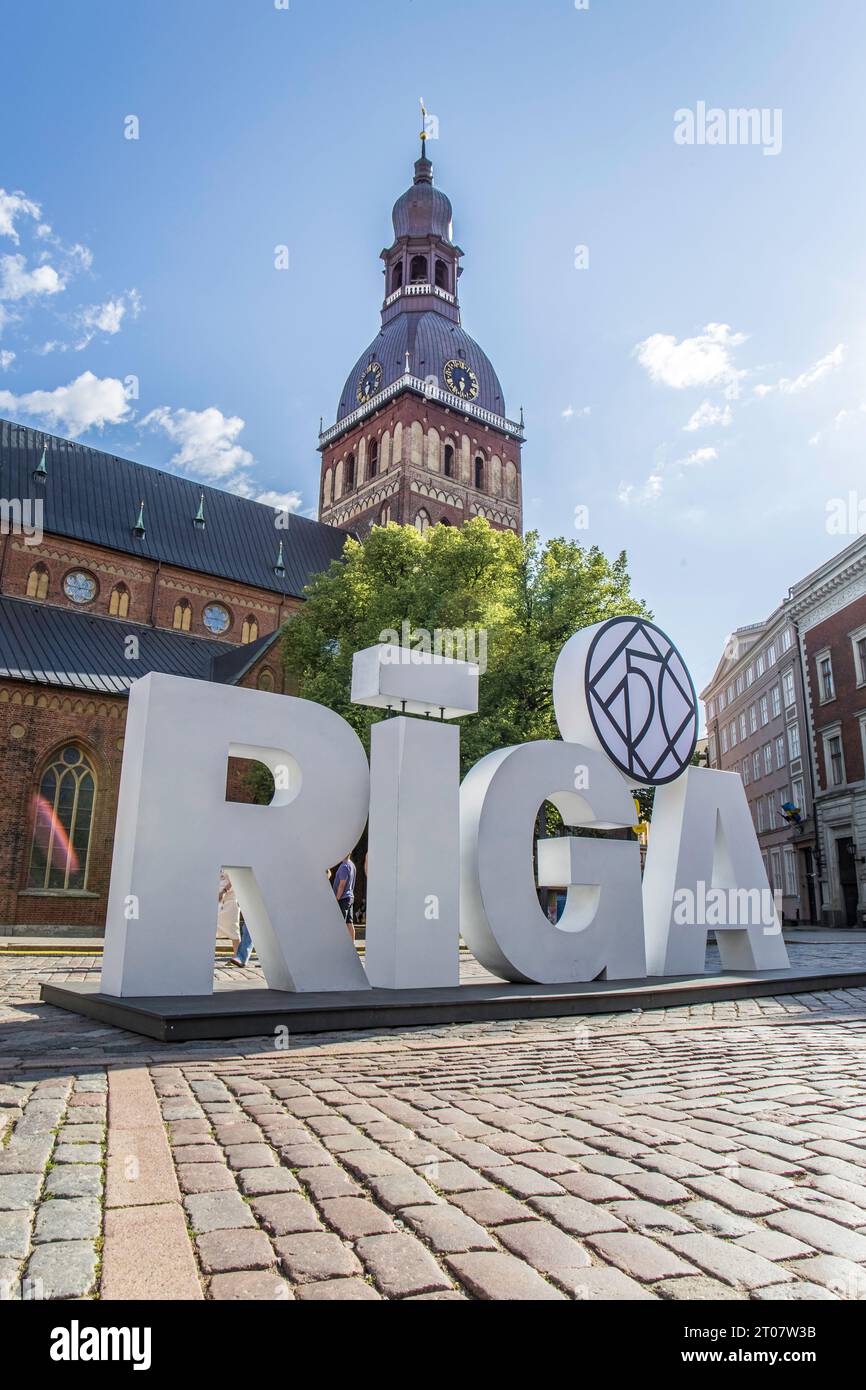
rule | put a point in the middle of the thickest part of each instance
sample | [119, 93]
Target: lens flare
[62, 853]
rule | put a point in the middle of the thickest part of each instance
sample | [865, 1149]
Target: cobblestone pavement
[715, 1151]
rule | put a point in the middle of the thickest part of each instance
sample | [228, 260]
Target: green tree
[526, 598]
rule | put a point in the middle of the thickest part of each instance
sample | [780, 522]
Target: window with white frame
[834, 761]
[798, 795]
[776, 701]
[743, 726]
[826, 688]
[753, 718]
[771, 811]
[759, 665]
[756, 765]
[780, 751]
[711, 710]
[722, 700]
[786, 640]
[712, 750]
[790, 872]
[740, 685]
[768, 759]
[723, 736]
[858, 643]
[759, 810]
[776, 862]
[733, 735]
[745, 772]
[788, 688]
[771, 654]
[750, 675]
[793, 741]
[765, 710]
[730, 694]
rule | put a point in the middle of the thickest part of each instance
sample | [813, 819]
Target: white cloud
[709, 414]
[704, 360]
[570, 411]
[87, 402]
[108, 317]
[13, 206]
[17, 282]
[650, 491]
[281, 501]
[792, 386]
[208, 446]
[6, 359]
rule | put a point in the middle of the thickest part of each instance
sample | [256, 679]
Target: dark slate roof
[94, 496]
[431, 340]
[59, 646]
[230, 666]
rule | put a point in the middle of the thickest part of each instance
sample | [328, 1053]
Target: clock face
[369, 382]
[460, 379]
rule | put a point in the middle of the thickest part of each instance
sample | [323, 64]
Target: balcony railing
[431, 392]
[420, 287]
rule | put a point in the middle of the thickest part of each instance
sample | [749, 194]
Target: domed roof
[431, 340]
[422, 210]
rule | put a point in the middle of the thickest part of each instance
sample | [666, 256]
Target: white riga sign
[445, 859]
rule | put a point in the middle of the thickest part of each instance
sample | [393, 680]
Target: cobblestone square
[716, 1151]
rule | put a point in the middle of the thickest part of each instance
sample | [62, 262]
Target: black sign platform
[246, 1011]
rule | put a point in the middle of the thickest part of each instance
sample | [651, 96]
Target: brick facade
[411, 435]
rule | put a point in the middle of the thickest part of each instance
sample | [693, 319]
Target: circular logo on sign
[641, 700]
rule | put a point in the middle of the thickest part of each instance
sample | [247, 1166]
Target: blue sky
[725, 287]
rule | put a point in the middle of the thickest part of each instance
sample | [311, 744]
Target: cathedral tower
[421, 434]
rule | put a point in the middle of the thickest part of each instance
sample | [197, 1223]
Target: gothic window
[118, 603]
[37, 582]
[448, 461]
[349, 475]
[479, 473]
[182, 616]
[266, 679]
[250, 629]
[63, 806]
[418, 269]
[397, 276]
[80, 587]
[373, 464]
[422, 520]
[385, 514]
[328, 488]
[441, 275]
[216, 618]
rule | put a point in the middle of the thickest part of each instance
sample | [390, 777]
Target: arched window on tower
[250, 629]
[479, 472]
[385, 514]
[118, 603]
[441, 275]
[349, 474]
[182, 615]
[373, 458]
[37, 582]
[418, 269]
[422, 521]
[448, 461]
[397, 277]
[63, 803]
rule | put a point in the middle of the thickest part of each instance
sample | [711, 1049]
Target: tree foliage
[526, 597]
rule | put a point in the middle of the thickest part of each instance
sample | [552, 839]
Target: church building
[135, 570]
[421, 434]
